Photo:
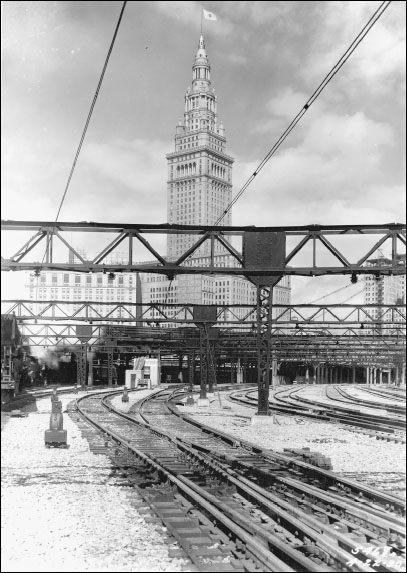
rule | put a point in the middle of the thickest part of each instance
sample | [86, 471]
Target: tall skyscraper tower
[199, 188]
[199, 170]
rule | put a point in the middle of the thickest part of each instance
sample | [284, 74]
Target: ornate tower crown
[199, 171]
[201, 70]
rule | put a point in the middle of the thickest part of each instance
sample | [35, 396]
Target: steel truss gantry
[363, 350]
[353, 333]
[377, 317]
[313, 250]
[329, 249]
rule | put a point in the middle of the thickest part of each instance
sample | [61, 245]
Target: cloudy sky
[344, 162]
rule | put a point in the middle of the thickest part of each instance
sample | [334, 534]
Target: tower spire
[199, 171]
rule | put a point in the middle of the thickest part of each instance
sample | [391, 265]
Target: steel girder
[284, 315]
[323, 245]
[348, 347]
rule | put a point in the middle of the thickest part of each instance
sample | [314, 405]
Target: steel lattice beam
[324, 240]
[343, 348]
[312, 315]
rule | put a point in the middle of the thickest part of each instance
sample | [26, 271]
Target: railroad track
[390, 400]
[346, 398]
[391, 392]
[235, 508]
[287, 402]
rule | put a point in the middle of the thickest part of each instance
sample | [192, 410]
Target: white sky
[344, 162]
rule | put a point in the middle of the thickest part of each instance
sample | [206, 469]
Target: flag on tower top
[208, 15]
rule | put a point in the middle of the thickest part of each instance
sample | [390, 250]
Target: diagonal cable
[342, 60]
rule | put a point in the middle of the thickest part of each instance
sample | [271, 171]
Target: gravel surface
[349, 451]
[133, 398]
[364, 395]
[63, 510]
[317, 394]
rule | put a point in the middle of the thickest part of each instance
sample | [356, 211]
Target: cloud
[237, 59]
[286, 103]
[190, 13]
[187, 12]
[138, 164]
[378, 60]
[117, 180]
[336, 173]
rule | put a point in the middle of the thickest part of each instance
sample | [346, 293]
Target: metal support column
[109, 367]
[353, 374]
[159, 367]
[81, 366]
[90, 373]
[191, 369]
[264, 321]
[211, 361]
[180, 361]
[274, 380]
[203, 363]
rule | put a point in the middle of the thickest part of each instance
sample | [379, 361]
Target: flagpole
[201, 19]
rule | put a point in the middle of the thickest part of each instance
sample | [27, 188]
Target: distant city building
[199, 184]
[199, 190]
[385, 290]
[81, 287]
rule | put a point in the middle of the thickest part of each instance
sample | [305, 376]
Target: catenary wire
[86, 125]
[342, 60]
[330, 294]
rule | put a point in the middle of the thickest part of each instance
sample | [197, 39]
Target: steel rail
[283, 514]
[238, 527]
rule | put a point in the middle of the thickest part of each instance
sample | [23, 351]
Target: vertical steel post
[109, 367]
[191, 369]
[81, 366]
[203, 362]
[180, 376]
[264, 320]
[109, 356]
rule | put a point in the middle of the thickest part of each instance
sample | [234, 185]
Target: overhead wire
[353, 296]
[95, 97]
[342, 60]
[330, 294]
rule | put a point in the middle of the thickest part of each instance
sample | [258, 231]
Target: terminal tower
[199, 171]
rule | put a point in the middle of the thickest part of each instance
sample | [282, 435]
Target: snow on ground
[63, 510]
[349, 451]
